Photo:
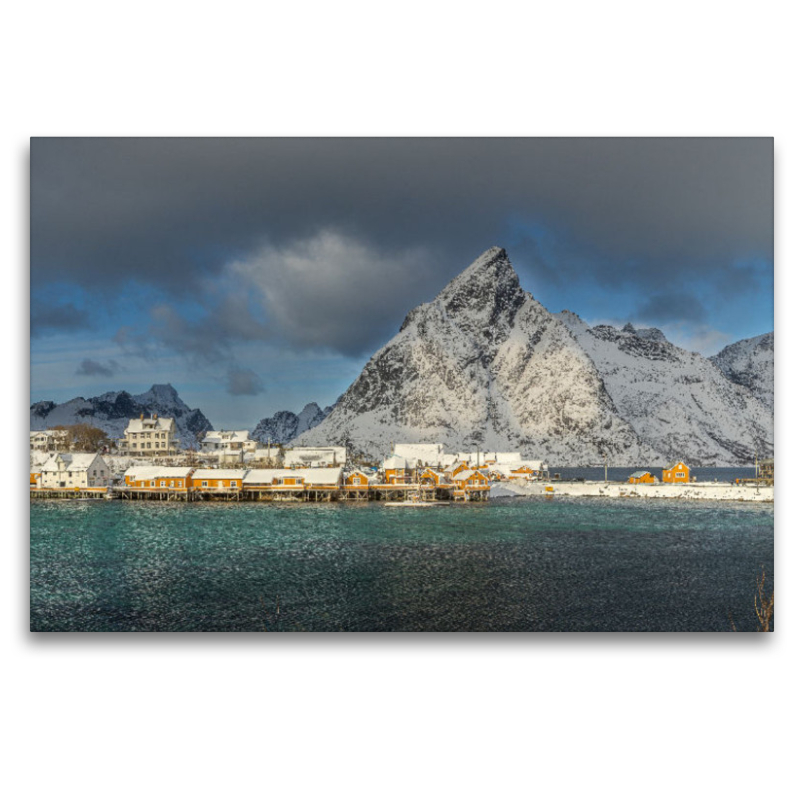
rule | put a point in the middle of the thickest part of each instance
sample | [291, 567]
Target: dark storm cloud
[173, 213]
[672, 307]
[49, 317]
[243, 381]
[91, 367]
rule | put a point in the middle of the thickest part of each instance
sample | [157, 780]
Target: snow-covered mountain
[751, 363]
[678, 401]
[111, 411]
[484, 364]
[284, 426]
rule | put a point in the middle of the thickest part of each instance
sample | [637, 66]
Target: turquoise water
[567, 564]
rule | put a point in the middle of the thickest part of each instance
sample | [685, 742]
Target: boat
[417, 503]
[414, 501]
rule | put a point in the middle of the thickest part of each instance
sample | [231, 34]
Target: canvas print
[401, 384]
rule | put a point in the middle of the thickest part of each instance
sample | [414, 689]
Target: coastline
[666, 491]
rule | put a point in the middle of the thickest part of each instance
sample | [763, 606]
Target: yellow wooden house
[641, 477]
[356, 478]
[678, 473]
[219, 480]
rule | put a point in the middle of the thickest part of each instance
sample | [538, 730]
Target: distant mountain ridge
[111, 411]
[484, 364]
[677, 400]
[751, 363]
[284, 426]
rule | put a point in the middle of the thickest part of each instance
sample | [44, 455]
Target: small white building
[150, 436]
[315, 457]
[423, 455]
[49, 441]
[481, 458]
[74, 471]
[268, 455]
[228, 442]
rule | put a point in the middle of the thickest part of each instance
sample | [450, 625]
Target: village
[147, 463]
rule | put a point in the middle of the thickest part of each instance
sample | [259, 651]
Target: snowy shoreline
[686, 491]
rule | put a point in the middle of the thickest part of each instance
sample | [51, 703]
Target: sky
[257, 275]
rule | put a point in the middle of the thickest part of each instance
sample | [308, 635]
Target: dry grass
[764, 606]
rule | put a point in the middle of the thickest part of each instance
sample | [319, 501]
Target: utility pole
[605, 464]
[758, 476]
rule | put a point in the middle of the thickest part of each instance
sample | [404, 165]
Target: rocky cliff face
[111, 411]
[484, 364]
[751, 363]
[284, 426]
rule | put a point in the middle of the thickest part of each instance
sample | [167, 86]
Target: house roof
[151, 473]
[639, 474]
[317, 476]
[424, 453]
[227, 436]
[394, 462]
[219, 474]
[149, 424]
[466, 475]
[76, 462]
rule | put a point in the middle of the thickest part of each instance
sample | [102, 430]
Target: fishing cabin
[678, 473]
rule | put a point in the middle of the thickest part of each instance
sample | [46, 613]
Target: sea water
[559, 564]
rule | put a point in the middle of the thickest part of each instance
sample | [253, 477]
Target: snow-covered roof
[504, 458]
[49, 434]
[75, 462]
[394, 462]
[639, 473]
[427, 454]
[219, 474]
[315, 475]
[150, 473]
[308, 455]
[226, 436]
[467, 474]
[150, 424]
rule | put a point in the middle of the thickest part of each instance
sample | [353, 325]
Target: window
[152, 483]
[163, 483]
[204, 483]
[680, 474]
[172, 483]
[94, 472]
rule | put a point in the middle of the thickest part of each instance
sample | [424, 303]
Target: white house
[424, 455]
[48, 441]
[315, 457]
[74, 470]
[228, 442]
[150, 436]
[263, 454]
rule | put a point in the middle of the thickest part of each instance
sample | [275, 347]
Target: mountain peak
[486, 292]
[489, 284]
[493, 264]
